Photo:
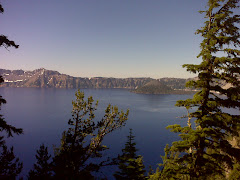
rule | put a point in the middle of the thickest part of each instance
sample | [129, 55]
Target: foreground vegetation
[206, 149]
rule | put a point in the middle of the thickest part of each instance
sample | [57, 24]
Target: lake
[43, 114]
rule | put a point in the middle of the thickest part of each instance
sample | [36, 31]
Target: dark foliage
[5, 42]
[81, 145]
[130, 164]
[10, 166]
[205, 150]
[43, 167]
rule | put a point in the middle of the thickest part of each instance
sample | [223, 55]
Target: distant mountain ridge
[43, 78]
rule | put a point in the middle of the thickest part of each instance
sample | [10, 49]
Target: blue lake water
[43, 114]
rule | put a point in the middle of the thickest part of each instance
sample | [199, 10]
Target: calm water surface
[43, 114]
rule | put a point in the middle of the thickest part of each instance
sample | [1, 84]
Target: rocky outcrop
[43, 78]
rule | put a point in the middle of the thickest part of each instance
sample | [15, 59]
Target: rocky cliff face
[43, 78]
[52, 79]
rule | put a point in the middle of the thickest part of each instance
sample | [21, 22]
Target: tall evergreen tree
[10, 166]
[43, 167]
[206, 150]
[82, 142]
[5, 42]
[169, 169]
[130, 165]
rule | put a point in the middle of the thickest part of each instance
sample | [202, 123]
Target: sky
[108, 38]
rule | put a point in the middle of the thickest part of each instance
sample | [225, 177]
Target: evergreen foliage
[3, 124]
[81, 144]
[205, 151]
[169, 168]
[130, 165]
[43, 167]
[10, 166]
[235, 173]
[150, 171]
[4, 41]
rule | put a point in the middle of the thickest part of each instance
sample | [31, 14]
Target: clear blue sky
[109, 38]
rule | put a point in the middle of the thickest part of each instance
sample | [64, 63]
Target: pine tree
[82, 142]
[168, 167]
[3, 124]
[130, 165]
[10, 166]
[206, 150]
[43, 167]
[235, 173]
[5, 42]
